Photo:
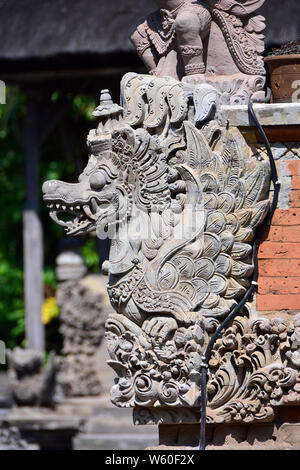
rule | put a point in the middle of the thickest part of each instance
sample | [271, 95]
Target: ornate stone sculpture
[180, 197]
[214, 41]
[32, 384]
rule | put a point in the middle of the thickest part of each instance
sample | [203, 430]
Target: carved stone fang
[78, 221]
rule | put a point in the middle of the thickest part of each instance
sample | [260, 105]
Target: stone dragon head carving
[179, 195]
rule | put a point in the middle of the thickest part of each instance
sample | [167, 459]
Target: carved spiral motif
[145, 390]
[169, 393]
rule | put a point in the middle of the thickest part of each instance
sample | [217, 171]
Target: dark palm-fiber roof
[88, 33]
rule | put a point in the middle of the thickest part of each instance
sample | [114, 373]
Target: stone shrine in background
[83, 312]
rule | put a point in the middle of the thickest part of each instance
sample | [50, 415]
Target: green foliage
[11, 303]
[83, 106]
[89, 252]
[63, 156]
[12, 197]
[50, 278]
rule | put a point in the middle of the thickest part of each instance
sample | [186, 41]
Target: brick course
[296, 182]
[279, 250]
[295, 198]
[286, 217]
[279, 285]
[279, 254]
[279, 268]
[278, 302]
[283, 234]
[293, 167]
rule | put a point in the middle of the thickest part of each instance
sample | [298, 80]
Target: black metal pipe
[253, 286]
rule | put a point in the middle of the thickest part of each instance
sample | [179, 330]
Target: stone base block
[138, 441]
[112, 428]
[280, 435]
[45, 428]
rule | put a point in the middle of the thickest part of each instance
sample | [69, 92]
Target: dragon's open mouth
[78, 216]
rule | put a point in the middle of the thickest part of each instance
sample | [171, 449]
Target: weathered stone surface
[290, 436]
[268, 436]
[277, 114]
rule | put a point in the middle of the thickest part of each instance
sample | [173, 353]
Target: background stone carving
[83, 311]
[32, 383]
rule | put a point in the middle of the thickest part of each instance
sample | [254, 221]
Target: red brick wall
[279, 254]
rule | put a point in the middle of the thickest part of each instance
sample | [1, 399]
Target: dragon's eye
[97, 180]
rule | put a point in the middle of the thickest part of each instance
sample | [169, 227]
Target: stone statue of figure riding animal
[214, 41]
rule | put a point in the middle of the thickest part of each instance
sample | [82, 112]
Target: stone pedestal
[110, 428]
[284, 434]
[45, 428]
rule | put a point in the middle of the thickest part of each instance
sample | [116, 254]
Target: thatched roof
[49, 30]
[283, 23]
[45, 28]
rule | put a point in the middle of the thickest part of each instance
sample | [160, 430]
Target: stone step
[95, 426]
[114, 441]
[82, 406]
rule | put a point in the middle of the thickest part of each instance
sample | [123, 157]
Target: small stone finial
[106, 107]
[110, 116]
[105, 97]
[108, 112]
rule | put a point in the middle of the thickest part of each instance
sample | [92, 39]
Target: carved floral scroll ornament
[181, 198]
